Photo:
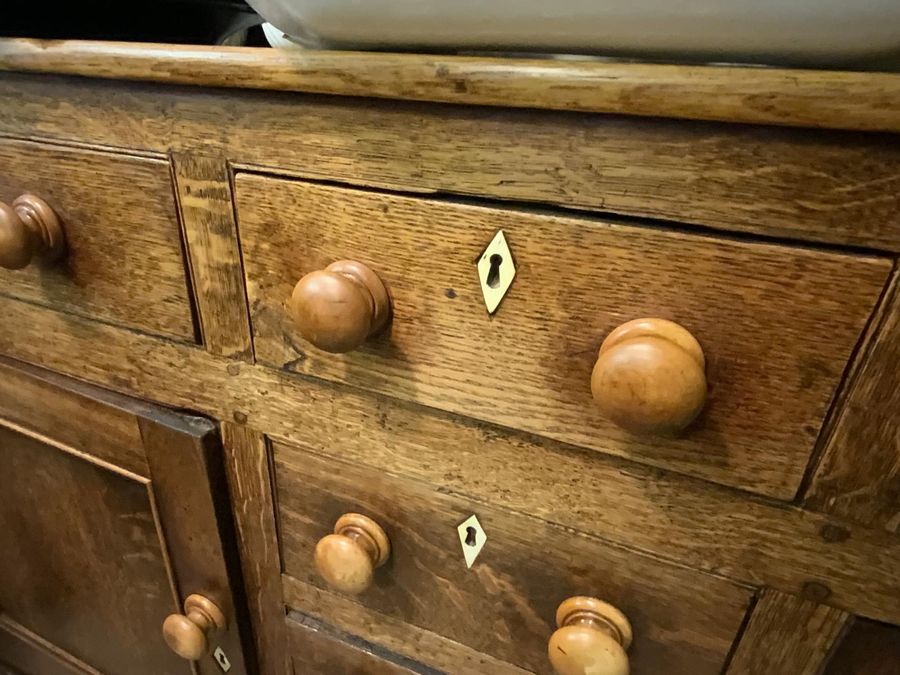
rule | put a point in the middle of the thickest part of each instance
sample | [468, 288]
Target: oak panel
[868, 648]
[81, 559]
[91, 424]
[858, 476]
[777, 324]
[788, 635]
[32, 655]
[692, 522]
[525, 570]
[123, 261]
[841, 188]
[90, 539]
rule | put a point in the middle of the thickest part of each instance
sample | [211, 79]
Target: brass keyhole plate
[496, 271]
[222, 660]
[472, 539]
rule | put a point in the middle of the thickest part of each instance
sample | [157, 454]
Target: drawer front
[505, 604]
[777, 323]
[316, 651]
[123, 260]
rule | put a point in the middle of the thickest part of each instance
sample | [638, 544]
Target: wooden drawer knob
[592, 639]
[29, 229]
[649, 377]
[188, 634]
[339, 307]
[348, 558]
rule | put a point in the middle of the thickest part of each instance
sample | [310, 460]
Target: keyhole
[471, 532]
[493, 276]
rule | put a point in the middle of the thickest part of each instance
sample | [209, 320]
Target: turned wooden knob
[29, 229]
[188, 634]
[348, 558]
[339, 307]
[592, 639]
[649, 377]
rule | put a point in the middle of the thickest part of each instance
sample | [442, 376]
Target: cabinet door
[112, 512]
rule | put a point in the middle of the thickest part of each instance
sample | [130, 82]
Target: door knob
[339, 307]
[188, 634]
[592, 639]
[348, 558]
[29, 229]
[649, 377]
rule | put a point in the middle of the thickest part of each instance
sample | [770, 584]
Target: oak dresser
[367, 363]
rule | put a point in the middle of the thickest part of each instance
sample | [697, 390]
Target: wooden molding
[825, 99]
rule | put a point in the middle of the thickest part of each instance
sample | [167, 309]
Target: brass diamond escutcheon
[472, 538]
[496, 270]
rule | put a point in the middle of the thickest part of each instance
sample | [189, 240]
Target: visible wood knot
[834, 533]
[233, 368]
[239, 417]
[815, 591]
[450, 293]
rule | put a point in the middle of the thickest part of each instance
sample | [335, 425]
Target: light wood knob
[29, 229]
[348, 558]
[592, 639]
[339, 307]
[650, 377]
[188, 634]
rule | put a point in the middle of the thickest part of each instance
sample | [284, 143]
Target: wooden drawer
[123, 261]
[314, 650]
[777, 323]
[504, 606]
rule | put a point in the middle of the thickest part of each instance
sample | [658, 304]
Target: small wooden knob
[348, 558]
[339, 307]
[592, 639]
[29, 229]
[188, 634]
[649, 377]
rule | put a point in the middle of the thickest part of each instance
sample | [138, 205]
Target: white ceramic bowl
[765, 31]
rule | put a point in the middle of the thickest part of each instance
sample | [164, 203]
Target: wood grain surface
[94, 556]
[418, 644]
[249, 474]
[29, 654]
[526, 568]
[841, 188]
[829, 99]
[692, 522]
[123, 261]
[868, 648]
[89, 423]
[858, 476]
[191, 504]
[788, 635]
[317, 651]
[82, 563]
[777, 324]
[207, 215]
